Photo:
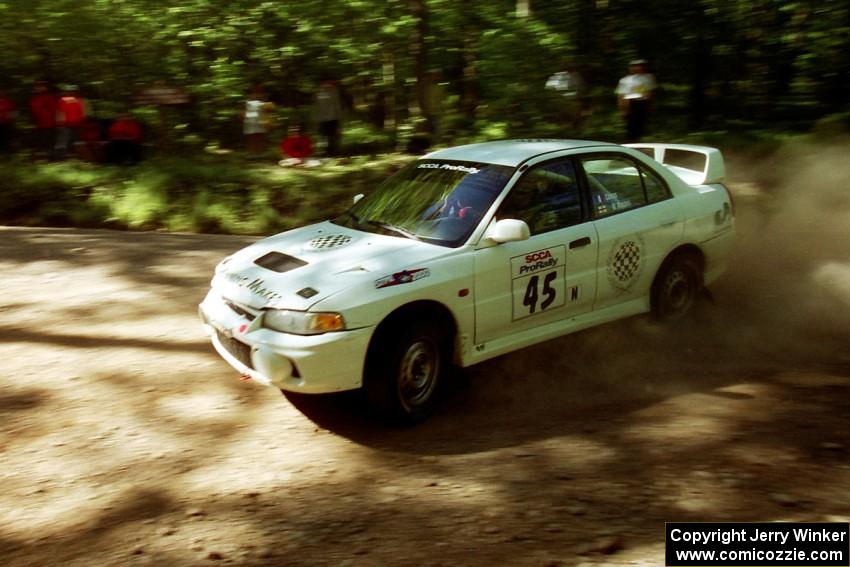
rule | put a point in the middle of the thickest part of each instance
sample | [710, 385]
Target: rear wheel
[404, 371]
[676, 287]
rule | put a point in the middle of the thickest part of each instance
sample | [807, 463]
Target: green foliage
[729, 70]
[200, 193]
[717, 59]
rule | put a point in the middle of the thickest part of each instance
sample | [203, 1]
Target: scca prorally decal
[449, 167]
[625, 262]
[537, 261]
[403, 277]
[256, 286]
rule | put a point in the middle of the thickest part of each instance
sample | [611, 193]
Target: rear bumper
[314, 364]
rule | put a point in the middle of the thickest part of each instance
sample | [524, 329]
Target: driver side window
[547, 198]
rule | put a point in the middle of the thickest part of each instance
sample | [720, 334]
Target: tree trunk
[420, 55]
[701, 70]
[469, 94]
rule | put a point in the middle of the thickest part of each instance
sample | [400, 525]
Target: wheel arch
[416, 310]
[382, 381]
[690, 252]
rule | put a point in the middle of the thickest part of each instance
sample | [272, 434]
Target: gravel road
[125, 440]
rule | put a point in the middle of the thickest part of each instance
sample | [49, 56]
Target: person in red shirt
[7, 119]
[43, 109]
[70, 117]
[296, 147]
[125, 141]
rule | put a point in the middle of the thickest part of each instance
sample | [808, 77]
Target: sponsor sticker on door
[537, 282]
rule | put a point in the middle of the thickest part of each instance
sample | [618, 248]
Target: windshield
[435, 201]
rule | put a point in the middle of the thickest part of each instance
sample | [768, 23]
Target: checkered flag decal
[626, 262]
[330, 241]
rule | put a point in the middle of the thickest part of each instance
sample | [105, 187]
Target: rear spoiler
[695, 165]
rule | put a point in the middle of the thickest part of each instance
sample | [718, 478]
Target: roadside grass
[197, 192]
[200, 191]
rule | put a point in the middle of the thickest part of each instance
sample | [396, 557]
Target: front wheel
[676, 288]
[405, 369]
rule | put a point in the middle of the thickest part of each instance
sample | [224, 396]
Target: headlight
[302, 322]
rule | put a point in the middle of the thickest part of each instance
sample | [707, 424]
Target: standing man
[328, 111]
[70, 116]
[569, 87]
[43, 109]
[635, 93]
[256, 121]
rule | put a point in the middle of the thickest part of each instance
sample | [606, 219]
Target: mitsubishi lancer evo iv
[469, 253]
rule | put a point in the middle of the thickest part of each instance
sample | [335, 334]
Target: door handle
[580, 242]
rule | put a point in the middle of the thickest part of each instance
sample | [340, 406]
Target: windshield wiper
[350, 216]
[392, 228]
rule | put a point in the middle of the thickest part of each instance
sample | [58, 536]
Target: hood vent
[278, 262]
[330, 241]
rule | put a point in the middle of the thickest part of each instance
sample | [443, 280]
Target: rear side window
[615, 185]
[618, 184]
[656, 189]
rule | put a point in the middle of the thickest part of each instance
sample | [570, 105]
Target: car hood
[299, 268]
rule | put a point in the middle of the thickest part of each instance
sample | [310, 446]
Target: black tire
[676, 287]
[404, 370]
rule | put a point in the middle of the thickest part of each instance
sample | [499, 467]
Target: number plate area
[238, 349]
[538, 282]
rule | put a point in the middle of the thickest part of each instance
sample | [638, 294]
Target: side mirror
[357, 197]
[508, 230]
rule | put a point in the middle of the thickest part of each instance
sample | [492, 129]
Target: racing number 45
[531, 294]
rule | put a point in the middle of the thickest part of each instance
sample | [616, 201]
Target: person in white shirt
[255, 121]
[635, 93]
[569, 87]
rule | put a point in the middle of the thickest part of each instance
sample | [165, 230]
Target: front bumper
[313, 364]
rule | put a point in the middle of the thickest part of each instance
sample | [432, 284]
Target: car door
[637, 222]
[520, 286]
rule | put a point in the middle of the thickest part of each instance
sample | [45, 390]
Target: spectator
[43, 107]
[90, 144]
[296, 147]
[256, 121]
[7, 122]
[569, 87]
[70, 117]
[125, 141]
[635, 93]
[328, 111]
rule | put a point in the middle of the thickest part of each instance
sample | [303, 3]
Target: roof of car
[510, 152]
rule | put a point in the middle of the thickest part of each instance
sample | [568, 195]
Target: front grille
[238, 349]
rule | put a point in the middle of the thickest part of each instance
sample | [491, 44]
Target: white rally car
[469, 253]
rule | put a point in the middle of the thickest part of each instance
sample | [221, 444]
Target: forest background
[740, 75]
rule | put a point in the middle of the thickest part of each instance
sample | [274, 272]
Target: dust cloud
[790, 276]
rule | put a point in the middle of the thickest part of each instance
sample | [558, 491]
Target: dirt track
[125, 440]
